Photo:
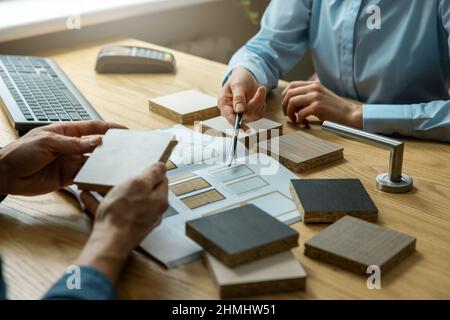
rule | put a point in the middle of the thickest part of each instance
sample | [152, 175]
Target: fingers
[256, 105]
[306, 112]
[70, 145]
[225, 104]
[89, 202]
[82, 128]
[239, 100]
[297, 91]
[160, 195]
[296, 84]
[154, 175]
[297, 103]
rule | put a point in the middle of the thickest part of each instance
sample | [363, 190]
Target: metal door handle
[392, 181]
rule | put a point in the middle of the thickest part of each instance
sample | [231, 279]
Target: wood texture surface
[185, 107]
[327, 200]
[123, 154]
[300, 151]
[41, 236]
[278, 273]
[355, 245]
[260, 130]
[241, 235]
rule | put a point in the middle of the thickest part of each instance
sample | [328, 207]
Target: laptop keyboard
[38, 90]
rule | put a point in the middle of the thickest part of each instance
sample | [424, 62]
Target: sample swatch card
[327, 200]
[355, 244]
[278, 273]
[122, 155]
[241, 235]
[300, 151]
[185, 107]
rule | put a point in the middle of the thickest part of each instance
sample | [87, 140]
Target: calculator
[129, 59]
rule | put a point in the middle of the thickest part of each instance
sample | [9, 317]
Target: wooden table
[44, 235]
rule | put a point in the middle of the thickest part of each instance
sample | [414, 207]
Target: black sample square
[241, 235]
[327, 200]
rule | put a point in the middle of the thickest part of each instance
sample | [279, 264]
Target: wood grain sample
[202, 199]
[327, 200]
[281, 272]
[122, 155]
[189, 186]
[260, 130]
[185, 107]
[300, 151]
[241, 235]
[355, 244]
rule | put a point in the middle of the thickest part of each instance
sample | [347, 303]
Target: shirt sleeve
[429, 121]
[93, 285]
[444, 10]
[280, 43]
[2, 284]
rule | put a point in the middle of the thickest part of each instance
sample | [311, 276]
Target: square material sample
[241, 235]
[185, 107]
[259, 130]
[327, 200]
[281, 272]
[355, 244]
[300, 151]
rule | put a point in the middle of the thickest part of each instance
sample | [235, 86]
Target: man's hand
[47, 158]
[304, 98]
[123, 219]
[242, 94]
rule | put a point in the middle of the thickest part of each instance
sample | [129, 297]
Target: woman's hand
[242, 94]
[304, 98]
[47, 158]
[123, 219]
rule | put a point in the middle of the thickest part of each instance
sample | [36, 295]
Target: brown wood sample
[355, 244]
[327, 200]
[300, 151]
[202, 199]
[122, 155]
[185, 107]
[281, 272]
[241, 235]
[189, 186]
[260, 130]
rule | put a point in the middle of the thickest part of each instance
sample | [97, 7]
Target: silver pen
[234, 138]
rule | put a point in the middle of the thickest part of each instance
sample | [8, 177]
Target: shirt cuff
[85, 283]
[255, 69]
[388, 119]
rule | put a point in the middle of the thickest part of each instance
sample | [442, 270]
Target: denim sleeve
[83, 283]
[279, 45]
[430, 121]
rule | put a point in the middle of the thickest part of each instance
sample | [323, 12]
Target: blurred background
[213, 29]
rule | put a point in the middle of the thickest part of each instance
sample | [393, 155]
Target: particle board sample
[327, 200]
[259, 130]
[300, 151]
[185, 107]
[278, 273]
[241, 235]
[355, 244]
[122, 155]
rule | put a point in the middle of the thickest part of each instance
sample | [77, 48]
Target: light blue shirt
[401, 71]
